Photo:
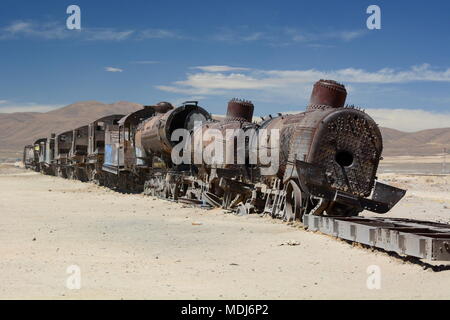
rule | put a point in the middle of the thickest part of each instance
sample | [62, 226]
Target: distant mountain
[21, 128]
[420, 143]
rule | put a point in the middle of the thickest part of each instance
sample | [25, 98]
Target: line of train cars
[328, 158]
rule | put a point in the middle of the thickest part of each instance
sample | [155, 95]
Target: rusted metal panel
[113, 156]
[49, 150]
[80, 142]
[348, 144]
[154, 135]
[63, 143]
[96, 144]
[28, 158]
[136, 117]
[327, 93]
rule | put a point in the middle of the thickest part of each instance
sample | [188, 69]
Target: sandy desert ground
[132, 246]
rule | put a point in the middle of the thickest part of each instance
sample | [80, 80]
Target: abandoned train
[327, 157]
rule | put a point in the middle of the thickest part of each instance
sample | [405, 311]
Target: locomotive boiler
[220, 152]
[140, 149]
[328, 159]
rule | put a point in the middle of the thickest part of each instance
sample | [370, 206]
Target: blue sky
[269, 52]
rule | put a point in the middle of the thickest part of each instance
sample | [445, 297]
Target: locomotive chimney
[240, 110]
[161, 107]
[328, 94]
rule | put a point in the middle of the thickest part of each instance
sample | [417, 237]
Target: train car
[96, 146]
[46, 155]
[322, 161]
[220, 151]
[39, 150]
[157, 137]
[76, 159]
[60, 163]
[120, 154]
[328, 159]
[142, 142]
[28, 160]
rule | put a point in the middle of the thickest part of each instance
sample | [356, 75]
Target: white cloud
[293, 87]
[158, 34]
[214, 80]
[296, 35]
[271, 36]
[28, 107]
[106, 34]
[422, 72]
[58, 30]
[49, 30]
[219, 68]
[18, 26]
[112, 69]
[410, 120]
[3, 101]
[286, 36]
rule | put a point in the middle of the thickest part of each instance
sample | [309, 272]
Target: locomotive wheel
[294, 204]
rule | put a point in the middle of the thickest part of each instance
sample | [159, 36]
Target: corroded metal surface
[154, 136]
[240, 110]
[327, 93]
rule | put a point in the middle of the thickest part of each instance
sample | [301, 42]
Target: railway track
[407, 237]
[415, 238]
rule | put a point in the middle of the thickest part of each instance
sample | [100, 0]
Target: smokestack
[240, 110]
[161, 107]
[328, 94]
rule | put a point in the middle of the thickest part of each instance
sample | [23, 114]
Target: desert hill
[19, 129]
[420, 143]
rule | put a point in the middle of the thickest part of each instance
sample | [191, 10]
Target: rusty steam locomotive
[327, 157]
